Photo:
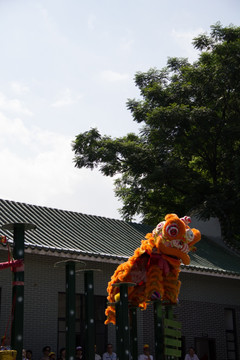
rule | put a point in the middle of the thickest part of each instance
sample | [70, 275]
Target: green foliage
[187, 154]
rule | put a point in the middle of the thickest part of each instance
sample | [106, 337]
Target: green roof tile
[69, 231]
[213, 256]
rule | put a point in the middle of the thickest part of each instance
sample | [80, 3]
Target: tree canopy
[186, 157]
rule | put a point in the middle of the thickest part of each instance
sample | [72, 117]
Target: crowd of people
[49, 355]
[108, 355]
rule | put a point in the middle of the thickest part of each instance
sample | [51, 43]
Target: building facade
[209, 301]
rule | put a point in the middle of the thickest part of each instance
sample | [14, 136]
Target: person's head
[28, 354]
[52, 356]
[146, 349]
[109, 348]
[95, 348]
[46, 350]
[23, 353]
[191, 351]
[62, 353]
[79, 351]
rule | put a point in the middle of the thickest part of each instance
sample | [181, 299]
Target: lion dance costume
[155, 265]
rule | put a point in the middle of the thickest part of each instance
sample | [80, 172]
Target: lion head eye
[189, 235]
[172, 230]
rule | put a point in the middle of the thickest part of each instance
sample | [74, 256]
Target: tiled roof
[213, 257]
[72, 232]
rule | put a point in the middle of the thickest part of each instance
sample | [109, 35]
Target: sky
[67, 66]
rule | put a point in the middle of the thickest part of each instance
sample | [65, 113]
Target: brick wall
[204, 319]
[201, 307]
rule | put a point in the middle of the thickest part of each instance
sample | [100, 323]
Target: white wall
[210, 228]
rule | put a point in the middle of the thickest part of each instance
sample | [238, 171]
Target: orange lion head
[175, 238]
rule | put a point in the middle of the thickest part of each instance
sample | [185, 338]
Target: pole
[123, 326]
[158, 329]
[90, 323]
[119, 339]
[18, 285]
[133, 333]
[70, 311]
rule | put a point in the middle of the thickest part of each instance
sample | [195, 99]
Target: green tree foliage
[186, 156]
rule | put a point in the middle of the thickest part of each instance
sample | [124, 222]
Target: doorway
[205, 348]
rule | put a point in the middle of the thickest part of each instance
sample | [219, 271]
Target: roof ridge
[61, 210]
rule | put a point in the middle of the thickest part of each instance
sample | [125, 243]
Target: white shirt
[107, 356]
[97, 357]
[144, 357]
[194, 357]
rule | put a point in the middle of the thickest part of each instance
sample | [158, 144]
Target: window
[100, 328]
[230, 328]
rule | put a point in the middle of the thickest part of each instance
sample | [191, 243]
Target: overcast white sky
[69, 65]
